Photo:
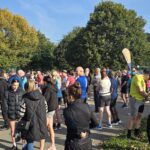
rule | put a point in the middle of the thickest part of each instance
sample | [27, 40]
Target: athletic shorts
[124, 90]
[104, 101]
[50, 114]
[136, 106]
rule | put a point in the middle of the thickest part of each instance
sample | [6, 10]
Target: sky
[56, 18]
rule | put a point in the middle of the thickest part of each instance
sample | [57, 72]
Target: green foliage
[64, 46]
[121, 142]
[17, 40]
[43, 58]
[110, 29]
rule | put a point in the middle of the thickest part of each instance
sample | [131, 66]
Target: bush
[122, 143]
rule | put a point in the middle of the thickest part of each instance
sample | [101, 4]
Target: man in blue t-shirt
[81, 78]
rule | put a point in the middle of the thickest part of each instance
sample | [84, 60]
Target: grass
[122, 143]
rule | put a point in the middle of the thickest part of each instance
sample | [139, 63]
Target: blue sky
[55, 18]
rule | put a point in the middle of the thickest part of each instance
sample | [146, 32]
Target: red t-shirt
[71, 80]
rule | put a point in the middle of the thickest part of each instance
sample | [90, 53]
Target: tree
[110, 29]
[17, 40]
[43, 58]
[63, 47]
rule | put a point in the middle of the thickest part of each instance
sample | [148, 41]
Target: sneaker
[59, 126]
[55, 126]
[119, 122]
[115, 123]
[109, 125]
[129, 134]
[14, 147]
[99, 127]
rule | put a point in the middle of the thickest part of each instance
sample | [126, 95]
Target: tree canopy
[17, 40]
[43, 58]
[111, 28]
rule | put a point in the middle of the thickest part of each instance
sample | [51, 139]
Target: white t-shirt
[104, 86]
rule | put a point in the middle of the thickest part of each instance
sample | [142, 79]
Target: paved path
[97, 136]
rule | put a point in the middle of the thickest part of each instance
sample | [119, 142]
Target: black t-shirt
[124, 79]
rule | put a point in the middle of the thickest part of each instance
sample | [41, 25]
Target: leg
[112, 111]
[42, 143]
[51, 130]
[58, 117]
[148, 128]
[101, 110]
[29, 145]
[12, 125]
[107, 108]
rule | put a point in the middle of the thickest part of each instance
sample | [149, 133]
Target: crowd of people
[36, 98]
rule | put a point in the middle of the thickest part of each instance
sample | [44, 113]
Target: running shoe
[108, 125]
[99, 127]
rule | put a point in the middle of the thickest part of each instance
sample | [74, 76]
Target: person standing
[12, 101]
[104, 88]
[124, 88]
[138, 96]
[95, 81]
[3, 88]
[64, 88]
[35, 110]
[50, 94]
[114, 95]
[78, 118]
[81, 78]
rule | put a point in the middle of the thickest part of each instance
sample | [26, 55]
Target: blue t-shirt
[83, 82]
[114, 86]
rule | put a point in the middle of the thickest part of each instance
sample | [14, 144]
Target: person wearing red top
[71, 78]
[39, 78]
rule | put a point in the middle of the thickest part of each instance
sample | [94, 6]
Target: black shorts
[104, 100]
[124, 90]
[65, 96]
[113, 102]
[141, 108]
[59, 100]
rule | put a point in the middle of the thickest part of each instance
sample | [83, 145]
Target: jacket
[12, 102]
[36, 111]
[50, 94]
[3, 88]
[78, 118]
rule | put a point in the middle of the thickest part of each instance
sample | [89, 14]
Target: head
[39, 72]
[79, 71]
[74, 92]
[104, 73]
[124, 72]
[2, 73]
[97, 71]
[87, 71]
[71, 72]
[146, 74]
[21, 73]
[64, 73]
[112, 74]
[30, 86]
[14, 85]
